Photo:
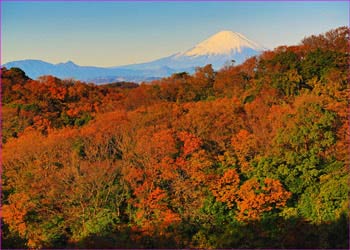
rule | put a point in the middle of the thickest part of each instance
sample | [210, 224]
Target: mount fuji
[219, 50]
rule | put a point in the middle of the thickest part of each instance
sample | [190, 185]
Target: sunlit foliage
[252, 156]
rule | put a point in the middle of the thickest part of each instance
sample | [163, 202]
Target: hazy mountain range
[218, 50]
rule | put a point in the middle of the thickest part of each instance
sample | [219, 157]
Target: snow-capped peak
[223, 42]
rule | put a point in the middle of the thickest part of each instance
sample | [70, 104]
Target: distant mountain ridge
[218, 50]
[36, 68]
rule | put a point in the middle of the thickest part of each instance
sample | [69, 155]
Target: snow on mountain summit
[223, 42]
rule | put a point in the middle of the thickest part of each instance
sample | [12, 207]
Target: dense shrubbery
[252, 156]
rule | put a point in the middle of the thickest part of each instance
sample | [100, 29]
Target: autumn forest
[254, 155]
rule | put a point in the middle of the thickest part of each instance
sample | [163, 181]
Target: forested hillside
[252, 156]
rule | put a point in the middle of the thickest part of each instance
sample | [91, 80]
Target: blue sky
[119, 33]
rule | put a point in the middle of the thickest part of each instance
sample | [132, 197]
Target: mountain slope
[218, 50]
